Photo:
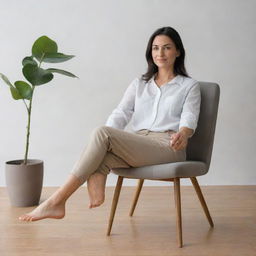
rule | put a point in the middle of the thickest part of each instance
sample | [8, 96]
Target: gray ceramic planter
[24, 182]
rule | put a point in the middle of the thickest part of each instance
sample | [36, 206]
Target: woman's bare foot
[48, 209]
[96, 189]
[54, 207]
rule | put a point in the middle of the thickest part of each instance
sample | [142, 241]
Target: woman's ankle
[56, 200]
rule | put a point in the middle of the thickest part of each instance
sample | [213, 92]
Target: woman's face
[164, 52]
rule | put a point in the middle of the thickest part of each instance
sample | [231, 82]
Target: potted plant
[24, 177]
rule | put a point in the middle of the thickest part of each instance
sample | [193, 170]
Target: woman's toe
[23, 217]
[26, 218]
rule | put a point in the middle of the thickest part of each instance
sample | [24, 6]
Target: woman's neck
[164, 75]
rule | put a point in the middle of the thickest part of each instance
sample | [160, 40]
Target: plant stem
[29, 109]
[28, 126]
[25, 104]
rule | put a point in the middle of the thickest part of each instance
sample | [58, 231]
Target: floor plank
[151, 231]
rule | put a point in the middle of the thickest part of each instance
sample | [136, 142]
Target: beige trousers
[114, 148]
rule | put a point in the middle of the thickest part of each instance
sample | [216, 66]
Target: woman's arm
[191, 108]
[189, 119]
[122, 114]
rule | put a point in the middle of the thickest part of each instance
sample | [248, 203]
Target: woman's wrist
[186, 132]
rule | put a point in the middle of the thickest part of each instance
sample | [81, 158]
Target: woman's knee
[101, 130]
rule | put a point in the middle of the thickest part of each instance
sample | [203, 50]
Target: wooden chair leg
[114, 203]
[201, 198]
[136, 196]
[178, 210]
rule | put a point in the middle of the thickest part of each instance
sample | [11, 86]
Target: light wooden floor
[151, 231]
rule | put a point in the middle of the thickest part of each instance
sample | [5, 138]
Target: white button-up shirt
[171, 106]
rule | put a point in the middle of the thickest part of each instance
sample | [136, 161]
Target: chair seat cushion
[164, 171]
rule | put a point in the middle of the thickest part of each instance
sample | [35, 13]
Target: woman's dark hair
[179, 66]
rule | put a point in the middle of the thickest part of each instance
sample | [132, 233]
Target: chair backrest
[200, 145]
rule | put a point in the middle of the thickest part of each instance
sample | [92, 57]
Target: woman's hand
[179, 140]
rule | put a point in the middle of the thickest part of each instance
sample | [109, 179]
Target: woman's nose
[161, 52]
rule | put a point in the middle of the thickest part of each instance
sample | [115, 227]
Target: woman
[164, 104]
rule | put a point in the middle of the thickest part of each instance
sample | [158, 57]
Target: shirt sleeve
[191, 108]
[122, 114]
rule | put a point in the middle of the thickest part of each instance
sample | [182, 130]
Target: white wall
[109, 40]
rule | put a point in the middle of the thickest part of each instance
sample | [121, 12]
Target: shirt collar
[176, 80]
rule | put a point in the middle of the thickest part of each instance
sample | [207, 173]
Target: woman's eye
[166, 47]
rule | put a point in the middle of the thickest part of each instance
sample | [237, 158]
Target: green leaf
[36, 75]
[24, 89]
[56, 57]
[5, 79]
[42, 46]
[60, 71]
[29, 60]
[15, 93]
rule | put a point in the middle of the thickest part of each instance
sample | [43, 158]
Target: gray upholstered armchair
[199, 153]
